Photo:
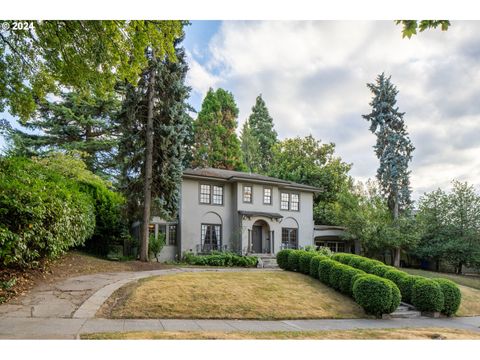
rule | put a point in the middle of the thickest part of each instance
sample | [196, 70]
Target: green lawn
[466, 280]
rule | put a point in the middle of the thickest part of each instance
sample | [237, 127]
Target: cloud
[313, 78]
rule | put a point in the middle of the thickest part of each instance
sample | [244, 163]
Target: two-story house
[239, 212]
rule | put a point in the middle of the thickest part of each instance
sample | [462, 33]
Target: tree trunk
[398, 250]
[147, 189]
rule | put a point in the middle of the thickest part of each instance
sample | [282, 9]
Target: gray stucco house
[240, 212]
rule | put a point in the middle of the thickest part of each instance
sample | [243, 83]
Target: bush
[293, 258]
[282, 258]
[347, 279]
[323, 250]
[304, 261]
[406, 287]
[355, 261]
[381, 270]
[427, 295]
[451, 296]
[366, 265]
[398, 277]
[375, 294]
[324, 268]
[156, 245]
[314, 262]
[335, 275]
[220, 259]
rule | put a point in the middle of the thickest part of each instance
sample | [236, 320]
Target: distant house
[240, 212]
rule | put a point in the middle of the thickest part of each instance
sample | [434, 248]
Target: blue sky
[313, 75]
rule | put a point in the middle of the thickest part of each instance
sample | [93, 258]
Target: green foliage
[220, 259]
[451, 296]
[406, 287]
[410, 27]
[282, 258]
[43, 212]
[156, 245]
[216, 143]
[427, 295]
[381, 270]
[324, 268]
[304, 261]
[90, 57]
[347, 279]
[323, 250]
[314, 262]
[263, 138]
[250, 149]
[293, 260]
[307, 161]
[335, 275]
[376, 295]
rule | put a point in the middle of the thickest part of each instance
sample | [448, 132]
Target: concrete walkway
[67, 309]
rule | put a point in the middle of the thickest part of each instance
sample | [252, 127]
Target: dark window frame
[203, 238]
[211, 188]
[270, 196]
[251, 194]
[288, 243]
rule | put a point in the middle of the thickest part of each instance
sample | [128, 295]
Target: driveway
[67, 309]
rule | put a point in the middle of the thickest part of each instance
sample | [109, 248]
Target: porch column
[272, 242]
[249, 240]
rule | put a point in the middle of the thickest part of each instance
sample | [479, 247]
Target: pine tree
[216, 143]
[261, 124]
[74, 123]
[393, 147]
[169, 131]
[250, 149]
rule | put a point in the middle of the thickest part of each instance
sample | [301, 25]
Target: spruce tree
[393, 148]
[250, 149]
[73, 123]
[216, 143]
[261, 124]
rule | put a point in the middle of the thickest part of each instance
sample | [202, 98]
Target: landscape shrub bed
[375, 294]
[220, 259]
[443, 294]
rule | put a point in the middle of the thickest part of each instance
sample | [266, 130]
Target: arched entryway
[261, 237]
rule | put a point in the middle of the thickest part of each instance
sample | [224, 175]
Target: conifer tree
[250, 149]
[261, 125]
[216, 143]
[393, 148]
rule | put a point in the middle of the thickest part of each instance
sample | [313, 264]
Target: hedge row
[375, 294]
[425, 294]
[220, 259]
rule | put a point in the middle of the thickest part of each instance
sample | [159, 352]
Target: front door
[257, 239]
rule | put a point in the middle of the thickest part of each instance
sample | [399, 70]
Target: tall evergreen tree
[393, 148]
[216, 143]
[169, 127]
[250, 149]
[73, 123]
[261, 124]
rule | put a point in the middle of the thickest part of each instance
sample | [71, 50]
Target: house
[240, 212]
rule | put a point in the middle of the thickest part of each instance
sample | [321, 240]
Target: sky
[313, 75]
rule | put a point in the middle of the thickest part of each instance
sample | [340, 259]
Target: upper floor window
[204, 194]
[211, 194]
[247, 194]
[267, 196]
[284, 201]
[289, 201]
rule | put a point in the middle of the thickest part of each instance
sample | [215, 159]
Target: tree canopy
[410, 27]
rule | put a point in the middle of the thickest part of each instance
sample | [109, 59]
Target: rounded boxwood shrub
[375, 294]
[427, 295]
[347, 277]
[354, 261]
[380, 270]
[304, 261]
[396, 296]
[451, 296]
[324, 268]
[406, 287]
[314, 262]
[366, 265]
[335, 274]
[293, 258]
[398, 277]
[282, 258]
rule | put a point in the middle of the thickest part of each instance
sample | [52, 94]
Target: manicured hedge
[376, 295]
[347, 279]
[380, 270]
[324, 269]
[304, 261]
[314, 262]
[220, 259]
[451, 296]
[336, 273]
[282, 258]
[427, 295]
[293, 260]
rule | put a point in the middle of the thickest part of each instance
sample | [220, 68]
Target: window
[211, 194]
[172, 235]
[211, 237]
[289, 238]
[294, 203]
[284, 201]
[217, 195]
[247, 194]
[204, 194]
[267, 196]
